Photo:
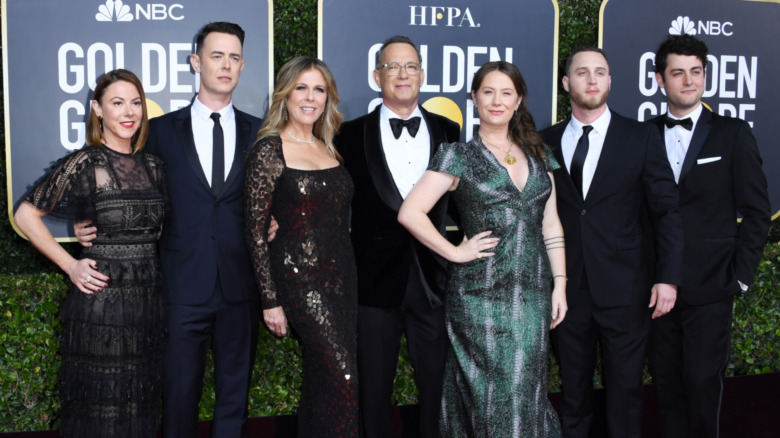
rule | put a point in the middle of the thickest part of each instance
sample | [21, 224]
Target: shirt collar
[226, 113]
[387, 113]
[694, 115]
[599, 125]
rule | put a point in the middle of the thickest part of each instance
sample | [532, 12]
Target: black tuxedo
[623, 238]
[721, 176]
[400, 282]
[208, 284]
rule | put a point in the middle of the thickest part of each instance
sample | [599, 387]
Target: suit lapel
[243, 137]
[184, 131]
[609, 156]
[377, 164]
[556, 133]
[437, 135]
[697, 142]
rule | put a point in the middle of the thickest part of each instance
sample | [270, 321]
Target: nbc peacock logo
[114, 10]
[681, 26]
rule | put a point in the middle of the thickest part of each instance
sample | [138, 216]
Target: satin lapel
[376, 163]
[610, 155]
[557, 151]
[697, 142]
[184, 132]
[242, 143]
[437, 135]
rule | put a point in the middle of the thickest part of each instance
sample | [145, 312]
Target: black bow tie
[412, 125]
[686, 123]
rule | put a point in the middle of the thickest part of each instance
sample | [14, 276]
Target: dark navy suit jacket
[203, 233]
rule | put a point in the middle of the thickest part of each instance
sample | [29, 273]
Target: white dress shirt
[203, 134]
[596, 143]
[407, 157]
[677, 141]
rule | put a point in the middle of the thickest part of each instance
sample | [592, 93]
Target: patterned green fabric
[498, 308]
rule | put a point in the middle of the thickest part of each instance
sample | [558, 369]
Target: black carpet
[751, 409]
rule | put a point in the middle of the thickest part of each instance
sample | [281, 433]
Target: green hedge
[31, 287]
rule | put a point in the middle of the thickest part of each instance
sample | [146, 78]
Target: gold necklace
[508, 158]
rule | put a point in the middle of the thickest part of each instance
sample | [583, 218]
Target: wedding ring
[479, 255]
[88, 279]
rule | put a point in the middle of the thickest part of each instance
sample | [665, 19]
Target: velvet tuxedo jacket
[627, 233]
[203, 233]
[721, 176]
[384, 249]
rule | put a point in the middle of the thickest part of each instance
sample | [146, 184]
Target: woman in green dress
[507, 281]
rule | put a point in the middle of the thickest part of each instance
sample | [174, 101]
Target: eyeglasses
[394, 68]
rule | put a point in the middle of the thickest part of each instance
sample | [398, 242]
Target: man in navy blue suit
[208, 285]
[717, 166]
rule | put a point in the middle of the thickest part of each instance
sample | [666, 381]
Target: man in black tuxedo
[400, 282]
[208, 284]
[618, 205]
[716, 163]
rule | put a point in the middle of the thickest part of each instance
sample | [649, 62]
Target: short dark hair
[680, 45]
[221, 27]
[580, 50]
[393, 40]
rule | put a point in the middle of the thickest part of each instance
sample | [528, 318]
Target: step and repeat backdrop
[455, 38]
[742, 68]
[56, 50]
[49, 75]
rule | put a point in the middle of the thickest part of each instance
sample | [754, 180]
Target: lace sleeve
[264, 167]
[157, 169]
[67, 187]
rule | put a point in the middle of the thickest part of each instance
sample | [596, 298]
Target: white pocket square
[707, 160]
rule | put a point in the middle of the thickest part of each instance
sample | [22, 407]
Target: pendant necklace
[508, 158]
[299, 140]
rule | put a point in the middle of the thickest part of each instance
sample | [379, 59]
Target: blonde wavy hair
[330, 120]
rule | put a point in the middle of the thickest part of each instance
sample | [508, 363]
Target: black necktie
[412, 125]
[218, 159]
[578, 159]
[686, 123]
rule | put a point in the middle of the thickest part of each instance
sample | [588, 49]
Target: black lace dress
[309, 269]
[112, 342]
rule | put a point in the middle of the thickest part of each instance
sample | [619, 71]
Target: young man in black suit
[618, 205]
[400, 282]
[717, 166]
[208, 284]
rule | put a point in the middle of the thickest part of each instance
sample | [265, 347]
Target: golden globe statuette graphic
[446, 107]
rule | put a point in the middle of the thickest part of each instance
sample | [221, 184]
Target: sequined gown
[498, 308]
[112, 342]
[309, 269]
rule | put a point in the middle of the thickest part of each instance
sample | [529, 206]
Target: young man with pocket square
[717, 166]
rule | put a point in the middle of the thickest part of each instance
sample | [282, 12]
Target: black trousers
[688, 354]
[379, 342]
[231, 328]
[622, 333]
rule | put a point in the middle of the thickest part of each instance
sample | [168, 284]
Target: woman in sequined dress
[112, 317]
[506, 285]
[307, 276]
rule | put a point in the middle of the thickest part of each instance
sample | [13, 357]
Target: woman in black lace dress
[112, 316]
[307, 275]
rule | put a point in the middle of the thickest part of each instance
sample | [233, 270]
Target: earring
[100, 122]
[284, 112]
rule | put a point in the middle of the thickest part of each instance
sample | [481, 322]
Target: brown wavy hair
[94, 135]
[330, 120]
[522, 129]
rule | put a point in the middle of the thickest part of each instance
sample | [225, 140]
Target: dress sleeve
[551, 163]
[449, 159]
[264, 167]
[157, 168]
[67, 188]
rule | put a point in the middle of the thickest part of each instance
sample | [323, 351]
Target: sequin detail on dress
[309, 269]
